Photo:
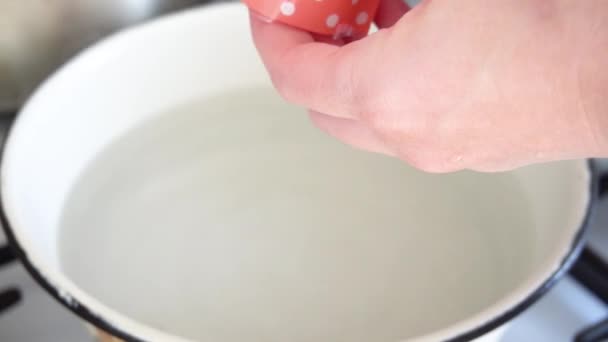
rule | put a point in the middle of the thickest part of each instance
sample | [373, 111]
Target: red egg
[337, 18]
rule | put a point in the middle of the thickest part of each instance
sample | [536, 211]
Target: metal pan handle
[591, 271]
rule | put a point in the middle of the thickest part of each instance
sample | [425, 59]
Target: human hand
[451, 85]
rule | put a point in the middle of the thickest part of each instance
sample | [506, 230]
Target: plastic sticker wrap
[337, 18]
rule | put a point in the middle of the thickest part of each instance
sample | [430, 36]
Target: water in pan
[233, 219]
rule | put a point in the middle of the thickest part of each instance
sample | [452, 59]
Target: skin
[452, 85]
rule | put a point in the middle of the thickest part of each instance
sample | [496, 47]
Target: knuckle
[376, 114]
[433, 160]
[387, 112]
[426, 163]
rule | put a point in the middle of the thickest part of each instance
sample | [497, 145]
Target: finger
[351, 132]
[314, 75]
[389, 12]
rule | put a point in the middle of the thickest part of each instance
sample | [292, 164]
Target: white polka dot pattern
[288, 8]
[332, 20]
[362, 18]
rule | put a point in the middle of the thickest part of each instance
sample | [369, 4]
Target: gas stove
[576, 309]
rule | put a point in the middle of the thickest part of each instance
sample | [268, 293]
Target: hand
[451, 85]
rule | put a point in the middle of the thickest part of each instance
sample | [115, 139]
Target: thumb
[323, 77]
